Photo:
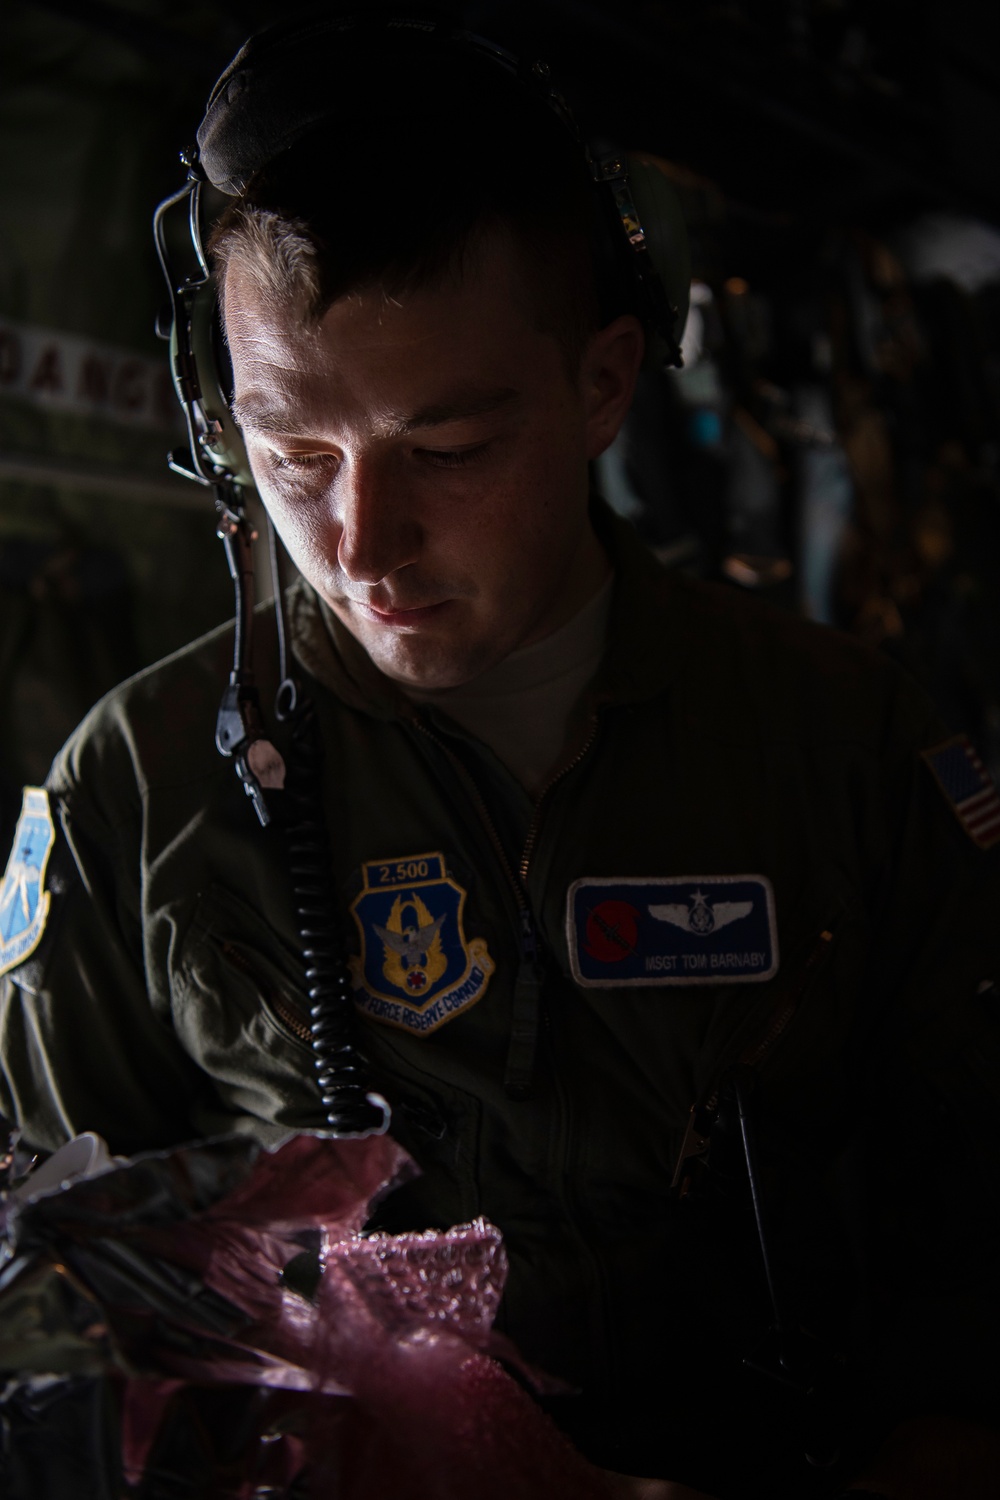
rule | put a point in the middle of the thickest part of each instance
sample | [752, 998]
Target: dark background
[834, 442]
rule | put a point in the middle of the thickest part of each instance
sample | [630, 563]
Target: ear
[608, 373]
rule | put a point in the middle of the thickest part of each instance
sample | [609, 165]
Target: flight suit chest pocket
[240, 1011]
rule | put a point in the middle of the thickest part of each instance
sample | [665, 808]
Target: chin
[432, 665]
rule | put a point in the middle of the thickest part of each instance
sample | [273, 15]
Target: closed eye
[300, 461]
[453, 458]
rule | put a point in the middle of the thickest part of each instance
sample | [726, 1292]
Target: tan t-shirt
[526, 708]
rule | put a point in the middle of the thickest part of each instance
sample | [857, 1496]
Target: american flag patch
[968, 787]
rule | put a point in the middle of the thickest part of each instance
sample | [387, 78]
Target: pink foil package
[373, 1376]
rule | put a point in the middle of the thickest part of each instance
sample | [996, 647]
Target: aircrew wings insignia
[702, 916]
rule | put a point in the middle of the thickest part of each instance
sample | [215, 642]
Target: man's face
[424, 460]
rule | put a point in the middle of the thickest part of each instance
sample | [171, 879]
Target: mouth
[401, 619]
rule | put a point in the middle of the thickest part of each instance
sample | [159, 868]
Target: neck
[589, 569]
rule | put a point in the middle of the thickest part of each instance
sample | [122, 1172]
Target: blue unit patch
[24, 901]
[688, 929]
[416, 970]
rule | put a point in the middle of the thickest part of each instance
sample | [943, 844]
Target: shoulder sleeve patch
[967, 787]
[24, 900]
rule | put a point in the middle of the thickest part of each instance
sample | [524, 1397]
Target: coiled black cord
[341, 1072]
[351, 1109]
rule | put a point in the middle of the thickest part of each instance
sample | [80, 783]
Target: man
[607, 844]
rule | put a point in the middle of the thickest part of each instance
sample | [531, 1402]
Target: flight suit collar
[646, 617]
[330, 653]
[643, 631]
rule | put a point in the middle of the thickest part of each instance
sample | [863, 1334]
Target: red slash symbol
[612, 929]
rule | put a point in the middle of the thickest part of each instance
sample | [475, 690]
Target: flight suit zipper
[535, 824]
[523, 1045]
[602, 1327]
[289, 1018]
[527, 1004]
[526, 1007]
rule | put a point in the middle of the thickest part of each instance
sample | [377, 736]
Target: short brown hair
[396, 187]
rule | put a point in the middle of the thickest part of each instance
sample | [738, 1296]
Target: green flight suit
[166, 1001]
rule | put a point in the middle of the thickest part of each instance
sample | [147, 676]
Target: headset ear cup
[222, 443]
[659, 212]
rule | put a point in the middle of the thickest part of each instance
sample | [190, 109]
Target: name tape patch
[416, 969]
[24, 901]
[688, 929]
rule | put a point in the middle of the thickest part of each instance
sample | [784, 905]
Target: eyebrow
[472, 403]
[252, 414]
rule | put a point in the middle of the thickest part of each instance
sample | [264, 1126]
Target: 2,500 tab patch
[688, 929]
[416, 969]
[24, 901]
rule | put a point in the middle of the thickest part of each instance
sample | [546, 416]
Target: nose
[379, 532]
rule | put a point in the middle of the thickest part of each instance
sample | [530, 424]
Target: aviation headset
[277, 89]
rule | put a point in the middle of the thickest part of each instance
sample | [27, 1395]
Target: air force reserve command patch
[416, 969]
[24, 901]
[968, 788]
[687, 929]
